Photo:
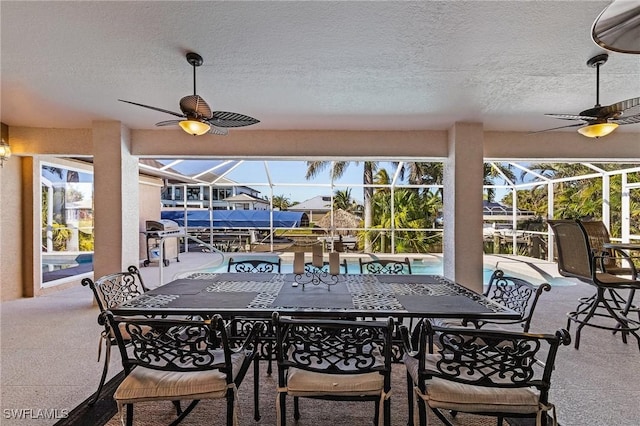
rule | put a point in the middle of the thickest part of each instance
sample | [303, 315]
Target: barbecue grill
[156, 232]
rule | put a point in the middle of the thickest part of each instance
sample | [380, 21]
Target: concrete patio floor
[48, 352]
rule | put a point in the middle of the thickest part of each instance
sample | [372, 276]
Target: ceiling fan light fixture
[194, 127]
[597, 130]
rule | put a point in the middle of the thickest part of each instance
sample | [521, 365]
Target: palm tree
[491, 173]
[337, 170]
[281, 202]
[342, 200]
[580, 198]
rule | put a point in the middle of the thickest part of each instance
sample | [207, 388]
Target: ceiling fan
[197, 117]
[601, 120]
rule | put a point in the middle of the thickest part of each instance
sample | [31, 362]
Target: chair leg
[422, 411]
[410, 399]
[623, 322]
[376, 415]
[586, 311]
[230, 407]
[296, 408]
[190, 408]
[283, 409]
[105, 368]
[129, 414]
[592, 310]
[387, 412]
[178, 407]
[256, 388]
[269, 357]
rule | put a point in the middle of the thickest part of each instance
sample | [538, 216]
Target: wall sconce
[5, 152]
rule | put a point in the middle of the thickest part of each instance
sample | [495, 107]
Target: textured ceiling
[309, 65]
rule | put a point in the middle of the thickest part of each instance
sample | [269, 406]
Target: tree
[491, 172]
[337, 170]
[342, 200]
[281, 202]
[580, 198]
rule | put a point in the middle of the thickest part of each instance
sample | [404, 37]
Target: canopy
[243, 219]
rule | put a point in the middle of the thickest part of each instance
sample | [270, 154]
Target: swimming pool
[425, 265]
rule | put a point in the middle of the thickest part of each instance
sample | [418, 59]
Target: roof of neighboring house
[321, 203]
[245, 198]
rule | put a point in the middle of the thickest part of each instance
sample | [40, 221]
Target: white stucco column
[116, 223]
[463, 174]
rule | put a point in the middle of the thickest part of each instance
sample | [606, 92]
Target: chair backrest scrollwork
[254, 265]
[114, 289]
[385, 266]
[489, 358]
[516, 294]
[334, 346]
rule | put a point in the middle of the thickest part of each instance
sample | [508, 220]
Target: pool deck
[48, 351]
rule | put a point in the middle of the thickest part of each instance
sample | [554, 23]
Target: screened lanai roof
[287, 177]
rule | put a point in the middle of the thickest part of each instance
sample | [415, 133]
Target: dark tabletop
[352, 295]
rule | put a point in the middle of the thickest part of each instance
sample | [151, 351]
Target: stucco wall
[11, 277]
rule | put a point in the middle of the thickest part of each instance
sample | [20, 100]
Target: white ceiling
[309, 65]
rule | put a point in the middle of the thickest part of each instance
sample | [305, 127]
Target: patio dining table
[257, 295]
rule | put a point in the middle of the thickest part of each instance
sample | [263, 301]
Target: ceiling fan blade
[632, 119]
[153, 108]
[622, 106]
[231, 119]
[195, 104]
[168, 123]
[556, 128]
[218, 131]
[572, 117]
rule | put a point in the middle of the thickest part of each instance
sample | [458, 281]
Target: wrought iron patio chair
[577, 260]
[385, 266]
[343, 360]
[514, 293]
[240, 326]
[110, 291]
[181, 359]
[486, 372]
[390, 267]
[254, 265]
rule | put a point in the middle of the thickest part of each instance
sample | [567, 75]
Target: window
[67, 220]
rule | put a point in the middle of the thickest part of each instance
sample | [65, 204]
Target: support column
[116, 201]
[463, 179]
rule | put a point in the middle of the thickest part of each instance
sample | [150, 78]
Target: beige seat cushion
[145, 384]
[450, 395]
[311, 383]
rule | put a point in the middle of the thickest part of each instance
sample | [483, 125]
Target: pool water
[429, 267]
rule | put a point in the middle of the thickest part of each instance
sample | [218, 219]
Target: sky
[288, 178]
